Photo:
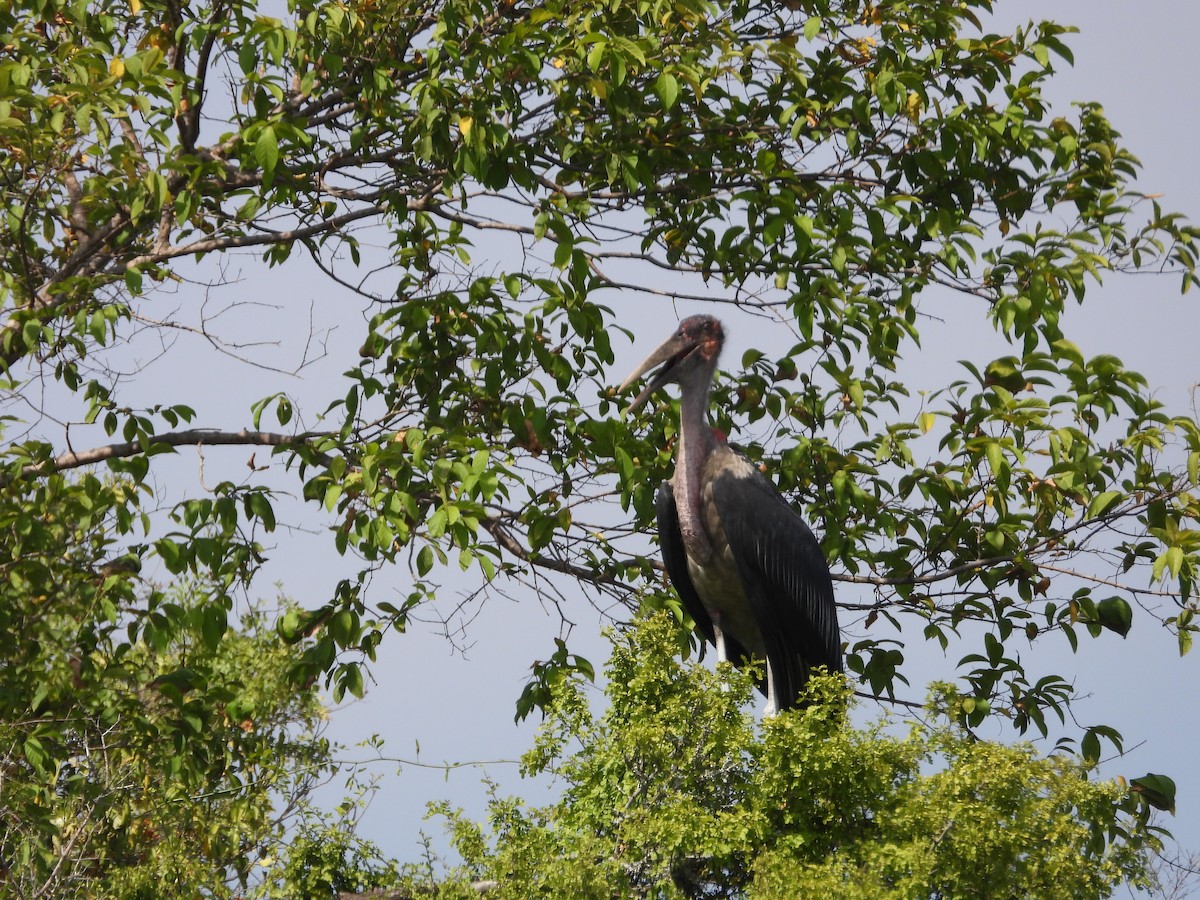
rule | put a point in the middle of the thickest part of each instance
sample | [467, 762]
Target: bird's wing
[670, 540]
[785, 578]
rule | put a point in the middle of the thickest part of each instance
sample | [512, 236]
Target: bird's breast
[717, 580]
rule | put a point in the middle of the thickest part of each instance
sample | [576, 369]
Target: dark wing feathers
[670, 540]
[785, 577]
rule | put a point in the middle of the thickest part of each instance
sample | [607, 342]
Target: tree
[143, 743]
[485, 178]
[673, 793]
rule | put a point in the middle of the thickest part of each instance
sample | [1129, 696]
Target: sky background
[436, 700]
[1140, 61]
[456, 704]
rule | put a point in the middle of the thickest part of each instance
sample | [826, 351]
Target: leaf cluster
[673, 792]
[490, 181]
[143, 742]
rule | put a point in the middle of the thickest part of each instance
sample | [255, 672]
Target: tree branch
[480, 887]
[493, 526]
[191, 437]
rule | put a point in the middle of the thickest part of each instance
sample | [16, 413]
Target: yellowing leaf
[1174, 557]
[913, 106]
[926, 420]
[135, 6]
[464, 125]
[116, 68]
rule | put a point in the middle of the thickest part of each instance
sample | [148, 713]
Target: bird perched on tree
[746, 566]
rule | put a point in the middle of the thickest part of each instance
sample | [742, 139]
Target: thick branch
[480, 887]
[230, 242]
[206, 437]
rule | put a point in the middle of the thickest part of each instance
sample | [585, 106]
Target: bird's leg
[772, 698]
[719, 638]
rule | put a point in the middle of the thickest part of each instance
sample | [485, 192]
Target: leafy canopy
[673, 792]
[145, 743]
[493, 183]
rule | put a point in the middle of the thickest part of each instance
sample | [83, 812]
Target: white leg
[772, 698]
[719, 638]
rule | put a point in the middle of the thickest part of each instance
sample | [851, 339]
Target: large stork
[746, 566]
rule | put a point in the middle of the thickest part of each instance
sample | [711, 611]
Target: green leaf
[349, 681]
[666, 88]
[1005, 373]
[258, 505]
[35, 753]
[1157, 790]
[1102, 503]
[172, 554]
[1115, 614]
[425, 560]
[436, 524]
[343, 627]
[595, 56]
[1069, 350]
[248, 57]
[266, 152]
[214, 622]
[995, 458]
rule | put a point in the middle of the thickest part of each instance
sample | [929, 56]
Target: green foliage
[674, 792]
[142, 741]
[832, 159]
[489, 180]
[323, 856]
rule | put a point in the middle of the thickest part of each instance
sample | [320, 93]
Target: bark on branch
[206, 437]
[480, 887]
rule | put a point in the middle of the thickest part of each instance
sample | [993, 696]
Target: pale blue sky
[1139, 60]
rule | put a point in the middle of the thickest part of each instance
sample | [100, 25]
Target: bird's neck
[696, 442]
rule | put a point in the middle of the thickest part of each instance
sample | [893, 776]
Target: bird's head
[690, 353]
